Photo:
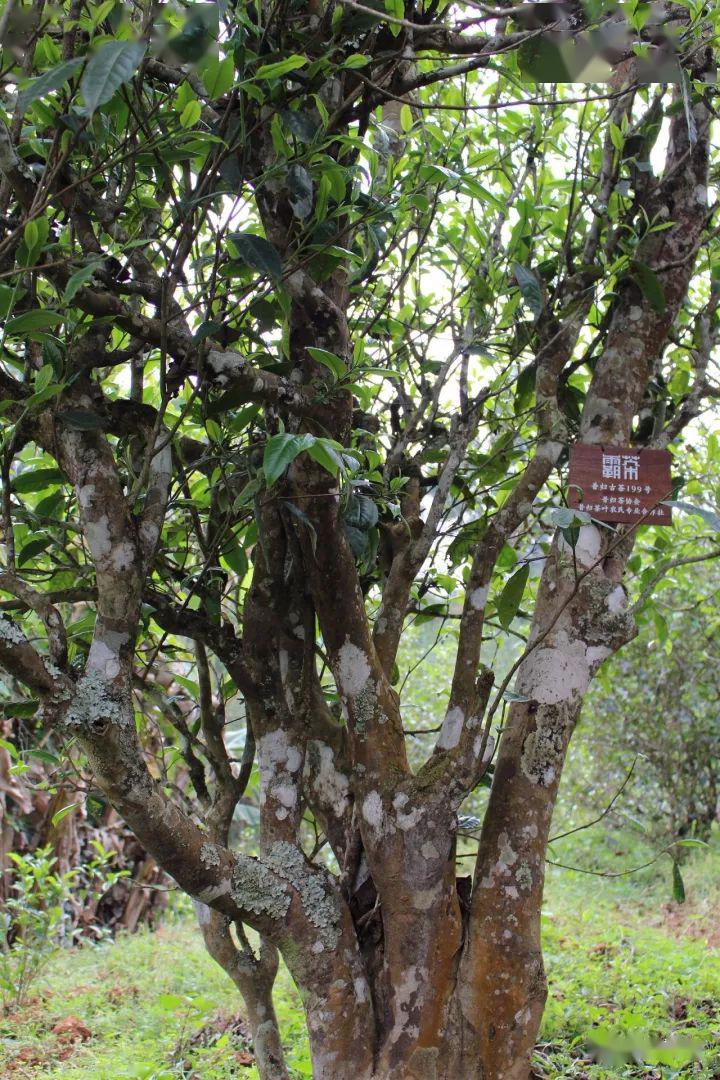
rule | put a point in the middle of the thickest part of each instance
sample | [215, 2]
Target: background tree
[659, 707]
[304, 306]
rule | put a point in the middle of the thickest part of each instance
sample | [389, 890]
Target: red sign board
[623, 484]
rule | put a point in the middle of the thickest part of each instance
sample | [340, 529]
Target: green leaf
[329, 360]
[326, 455]
[678, 884]
[236, 559]
[34, 548]
[56, 818]
[36, 480]
[30, 235]
[303, 125]
[468, 537]
[44, 395]
[690, 842]
[396, 9]
[510, 598]
[101, 13]
[190, 114]
[43, 377]
[218, 76]
[650, 285]
[38, 319]
[616, 136]
[81, 420]
[46, 756]
[709, 516]
[529, 289]
[356, 60]
[214, 430]
[361, 512]
[563, 517]
[301, 191]
[282, 67]
[8, 297]
[12, 750]
[280, 450]
[358, 540]
[47, 82]
[107, 70]
[194, 39]
[258, 253]
[76, 280]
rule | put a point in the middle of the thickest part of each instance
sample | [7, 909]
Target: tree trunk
[254, 976]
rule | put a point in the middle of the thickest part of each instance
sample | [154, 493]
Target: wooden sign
[622, 484]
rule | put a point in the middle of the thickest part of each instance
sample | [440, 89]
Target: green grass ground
[630, 972]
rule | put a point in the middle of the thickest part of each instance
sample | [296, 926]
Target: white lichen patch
[353, 669]
[85, 495]
[373, 811]
[331, 785]
[596, 654]
[617, 600]
[502, 868]
[286, 795]
[478, 597]
[123, 556]
[276, 756]
[555, 674]
[451, 729]
[523, 876]
[408, 819]
[97, 534]
[11, 633]
[104, 659]
[209, 855]
[506, 856]
[588, 547]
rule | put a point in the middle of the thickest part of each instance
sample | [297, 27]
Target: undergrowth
[634, 991]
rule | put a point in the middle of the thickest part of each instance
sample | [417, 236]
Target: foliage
[301, 322]
[36, 917]
[658, 708]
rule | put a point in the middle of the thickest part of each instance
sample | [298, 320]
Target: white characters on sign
[611, 467]
[631, 467]
[617, 467]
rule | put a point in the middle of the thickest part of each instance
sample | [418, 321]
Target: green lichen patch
[256, 887]
[94, 704]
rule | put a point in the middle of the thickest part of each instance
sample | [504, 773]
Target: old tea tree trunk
[297, 340]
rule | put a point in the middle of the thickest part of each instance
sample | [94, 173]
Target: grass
[631, 975]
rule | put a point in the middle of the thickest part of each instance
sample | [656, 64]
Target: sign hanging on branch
[621, 484]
